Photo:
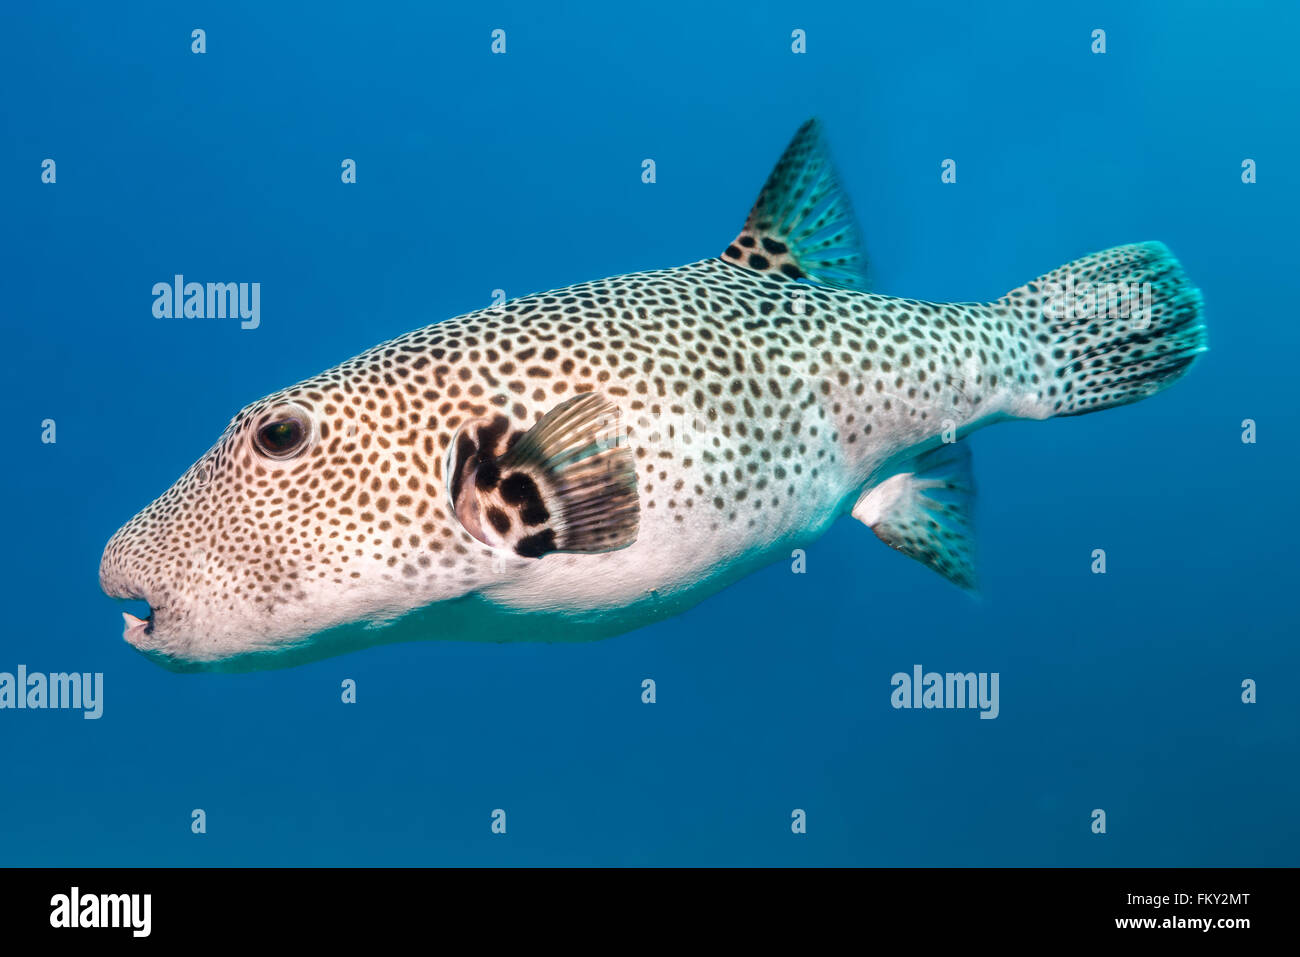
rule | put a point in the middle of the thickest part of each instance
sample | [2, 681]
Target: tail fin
[1111, 328]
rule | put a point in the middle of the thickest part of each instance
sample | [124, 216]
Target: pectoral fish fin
[802, 225]
[925, 512]
[568, 484]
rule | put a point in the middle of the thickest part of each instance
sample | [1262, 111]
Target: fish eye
[284, 433]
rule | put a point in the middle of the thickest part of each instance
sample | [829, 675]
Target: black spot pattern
[535, 546]
[754, 408]
[521, 491]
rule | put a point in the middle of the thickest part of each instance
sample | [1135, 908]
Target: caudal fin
[1111, 328]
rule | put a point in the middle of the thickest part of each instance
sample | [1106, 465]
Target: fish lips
[142, 634]
[138, 631]
[148, 637]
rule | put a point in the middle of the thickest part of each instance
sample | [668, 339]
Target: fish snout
[119, 578]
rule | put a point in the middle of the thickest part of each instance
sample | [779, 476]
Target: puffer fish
[576, 463]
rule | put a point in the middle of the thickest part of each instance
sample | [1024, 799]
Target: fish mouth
[136, 631]
[119, 578]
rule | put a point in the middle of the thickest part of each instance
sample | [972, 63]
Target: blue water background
[522, 172]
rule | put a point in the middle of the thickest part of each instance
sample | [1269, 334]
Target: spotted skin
[756, 409]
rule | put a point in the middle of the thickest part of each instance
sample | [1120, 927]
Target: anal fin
[925, 512]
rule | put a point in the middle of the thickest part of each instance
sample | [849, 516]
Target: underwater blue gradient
[522, 172]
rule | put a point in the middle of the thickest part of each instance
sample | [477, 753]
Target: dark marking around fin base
[568, 484]
[803, 221]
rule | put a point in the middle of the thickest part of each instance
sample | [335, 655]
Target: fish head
[320, 507]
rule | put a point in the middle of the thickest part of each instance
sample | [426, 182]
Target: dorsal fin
[802, 224]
